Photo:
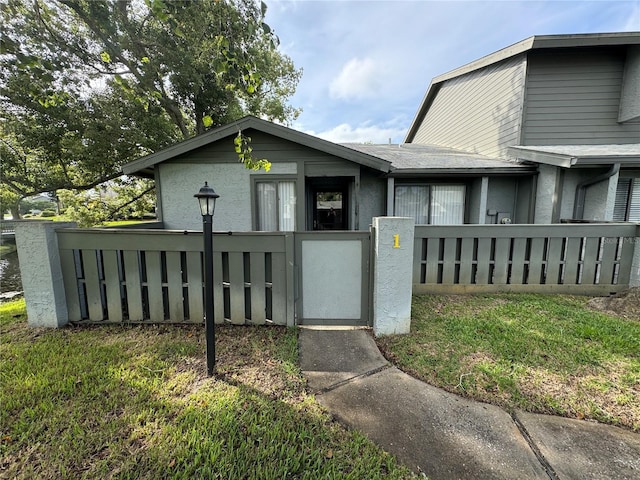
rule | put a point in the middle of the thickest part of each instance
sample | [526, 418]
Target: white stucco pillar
[41, 272]
[393, 239]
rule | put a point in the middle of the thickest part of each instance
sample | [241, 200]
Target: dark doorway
[329, 202]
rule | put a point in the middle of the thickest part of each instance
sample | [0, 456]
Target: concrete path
[446, 436]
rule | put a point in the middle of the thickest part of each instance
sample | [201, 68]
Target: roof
[570, 155]
[410, 158]
[145, 165]
[537, 42]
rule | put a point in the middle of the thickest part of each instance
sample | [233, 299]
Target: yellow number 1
[396, 241]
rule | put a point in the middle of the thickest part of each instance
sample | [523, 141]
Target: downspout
[581, 189]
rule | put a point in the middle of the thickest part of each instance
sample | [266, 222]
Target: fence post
[393, 239]
[41, 272]
[634, 277]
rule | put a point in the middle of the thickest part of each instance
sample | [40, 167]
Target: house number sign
[396, 241]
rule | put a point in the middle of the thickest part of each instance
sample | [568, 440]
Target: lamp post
[207, 199]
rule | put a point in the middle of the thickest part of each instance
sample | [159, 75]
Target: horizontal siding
[272, 148]
[574, 98]
[479, 112]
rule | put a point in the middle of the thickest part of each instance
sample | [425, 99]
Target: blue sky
[367, 64]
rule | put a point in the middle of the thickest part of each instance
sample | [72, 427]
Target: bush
[48, 213]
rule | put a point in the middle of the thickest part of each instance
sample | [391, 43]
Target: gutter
[581, 189]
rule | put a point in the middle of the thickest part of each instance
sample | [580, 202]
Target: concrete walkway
[449, 437]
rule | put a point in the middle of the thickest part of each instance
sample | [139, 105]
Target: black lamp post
[207, 199]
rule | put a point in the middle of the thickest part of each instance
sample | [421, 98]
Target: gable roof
[145, 165]
[537, 42]
[414, 159]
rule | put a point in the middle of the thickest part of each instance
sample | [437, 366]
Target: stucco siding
[501, 199]
[574, 98]
[372, 199]
[478, 112]
[180, 181]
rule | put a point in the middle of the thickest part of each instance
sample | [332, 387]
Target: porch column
[547, 194]
[392, 241]
[390, 195]
[41, 272]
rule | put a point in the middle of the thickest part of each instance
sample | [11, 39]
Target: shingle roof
[415, 158]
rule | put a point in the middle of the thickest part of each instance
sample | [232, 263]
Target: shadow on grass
[135, 402]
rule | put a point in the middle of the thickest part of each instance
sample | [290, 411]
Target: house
[569, 104]
[314, 184]
[545, 130]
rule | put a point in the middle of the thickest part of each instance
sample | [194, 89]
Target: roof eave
[449, 172]
[568, 161]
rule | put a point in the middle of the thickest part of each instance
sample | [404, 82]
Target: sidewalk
[449, 437]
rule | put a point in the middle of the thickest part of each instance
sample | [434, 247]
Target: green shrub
[48, 213]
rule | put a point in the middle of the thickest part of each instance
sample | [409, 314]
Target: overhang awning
[567, 156]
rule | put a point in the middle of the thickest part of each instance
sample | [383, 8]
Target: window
[627, 205]
[275, 205]
[431, 204]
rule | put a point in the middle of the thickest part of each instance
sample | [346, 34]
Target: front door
[328, 203]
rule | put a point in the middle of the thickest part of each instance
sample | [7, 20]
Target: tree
[89, 85]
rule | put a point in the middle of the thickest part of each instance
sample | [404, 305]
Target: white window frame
[430, 214]
[258, 179]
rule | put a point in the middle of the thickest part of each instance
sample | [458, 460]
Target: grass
[134, 402]
[6, 249]
[547, 354]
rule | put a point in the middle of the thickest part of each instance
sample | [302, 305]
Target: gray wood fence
[124, 275]
[586, 259]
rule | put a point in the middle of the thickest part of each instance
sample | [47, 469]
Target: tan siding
[574, 98]
[479, 111]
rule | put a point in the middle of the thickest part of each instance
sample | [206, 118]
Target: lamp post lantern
[207, 198]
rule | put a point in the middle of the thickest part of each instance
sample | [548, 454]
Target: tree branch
[121, 207]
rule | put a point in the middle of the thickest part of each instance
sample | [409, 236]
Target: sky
[367, 64]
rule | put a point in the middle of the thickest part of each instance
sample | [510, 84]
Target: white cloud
[345, 133]
[358, 79]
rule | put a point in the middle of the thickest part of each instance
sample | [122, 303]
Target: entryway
[333, 280]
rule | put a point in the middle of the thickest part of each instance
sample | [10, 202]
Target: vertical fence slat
[218, 288]
[484, 260]
[501, 260]
[591, 250]
[466, 262]
[572, 261]
[518, 261]
[554, 260]
[134, 287]
[112, 284]
[70, 285]
[236, 287]
[626, 258]
[417, 259]
[154, 286]
[610, 247]
[174, 284]
[536, 261]
[433, 256]
[92, 284]
[194, 279]
[279, 288]
[449, 257]
[258, 303]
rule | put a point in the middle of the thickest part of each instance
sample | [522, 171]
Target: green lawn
[135, 403]
[539, 353]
